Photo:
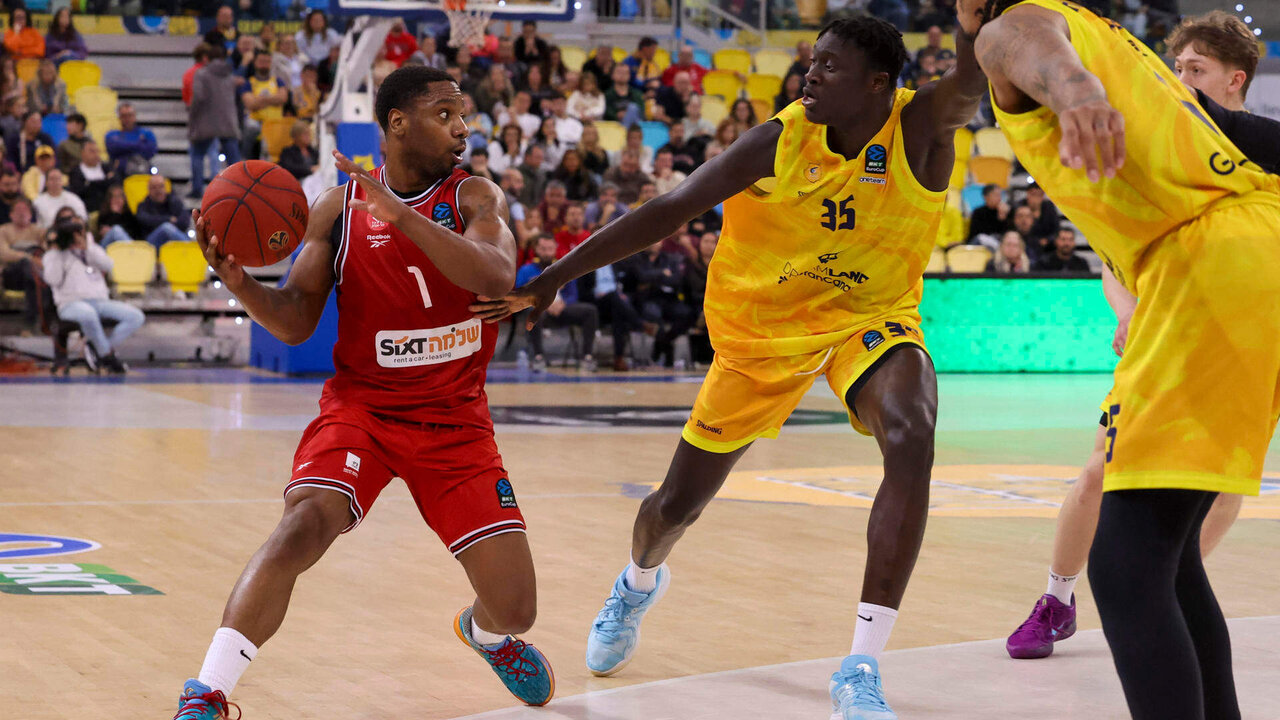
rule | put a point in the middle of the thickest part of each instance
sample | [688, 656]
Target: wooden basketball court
[176, 477]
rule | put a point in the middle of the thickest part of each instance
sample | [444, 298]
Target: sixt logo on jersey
[411, 348]
[877, 159]
[442, 213]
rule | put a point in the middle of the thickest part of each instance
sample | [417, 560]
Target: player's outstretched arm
[953, 99]
[482, 261]
[747, 160]
[291, 312]
[1027, 55]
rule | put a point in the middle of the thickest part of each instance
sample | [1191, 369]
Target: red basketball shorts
[454, 473]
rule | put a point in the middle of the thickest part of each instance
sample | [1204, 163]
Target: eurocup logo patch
[872, 339]
[877, 159]
[506, 494]
[278, 240]
[442, 213]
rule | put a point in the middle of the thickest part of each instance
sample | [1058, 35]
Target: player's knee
[674, 511]
[516, 616]
[305, 531]
[909, 429]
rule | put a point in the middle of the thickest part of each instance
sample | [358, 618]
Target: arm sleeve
[54, 269]
[1257, 137]
[99, 257]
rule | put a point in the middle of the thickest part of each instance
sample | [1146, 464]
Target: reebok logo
[379, 240]
[303, 466]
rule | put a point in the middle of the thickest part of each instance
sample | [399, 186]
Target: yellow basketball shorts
[743, 399]
[1197, 393]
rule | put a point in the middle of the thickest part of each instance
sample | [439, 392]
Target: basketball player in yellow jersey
[831, 211]
[1188, 225]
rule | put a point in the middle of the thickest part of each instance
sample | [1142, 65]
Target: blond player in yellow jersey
[831, 209]
[1187, 224]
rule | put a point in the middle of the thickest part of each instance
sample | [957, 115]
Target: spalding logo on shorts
[278, 240]
[443, 214]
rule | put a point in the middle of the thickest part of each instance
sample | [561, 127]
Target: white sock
[640, 579]
[1061, 586]
[871, 634]
[229, 656]
[484, 637]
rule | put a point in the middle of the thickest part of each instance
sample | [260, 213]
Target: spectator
[579, 185]
[520, 113]
[473, 73]
[539, 91]
[427, 53]
[242, 57]
[287, 62]
[726, 133]
[21, 244]
[926, 70]
[55, 197]
[535, 177]
[601, 64]
[479, 165]
[508, 149]
[665, 177]
[684, 63]
[549, 140]
[64, 42]
[75, 269]
[48, 93]
[587, 102]
[695, 278]
[1046, 217]
[659, 277]
[267, 39]
[69, 150]
[617, 309]
[131, 147]
[22, 145]
[10, 192]
[557, 75]
[743, 115]
[6, 165]
[89, 177]
[199, 57]
[946, 61]
[936, 13]
[512, 184]
[115, 221]
[992, 218]
[551, 214]
[932, 42]
[505, 55]
[804, 58]
[594, 157]
[328, 70]
[528, 47]
[565, 310]
[627, 176]
[635, 141]
[622, 102]
[1023, 221]
[300, 158]
[20, 39]
[669, 102]
[494, 90]
[604, 209]
[400, 43]
[686, 156]
[568, 128]
[306, 95]
[645, 73]
[213, 118]
[648, 191]
[263, 99]
[224, 29]
[696, 126]
[792, 88]
[161, 214]
[479, 124]
[1064, 257]
[894, 11]
[14, 88]
[34, 178]
[574, 232]
[316, 39]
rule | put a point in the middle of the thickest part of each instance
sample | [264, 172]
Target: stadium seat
[135, 265]
[95, 100]
[55, 126]
[971, 198]
[79, 73]
[619, 54]
[663, 58]
[656, 134]
[990, 170]
[612, 135]
[702, 57]
[763, 108]
[276, 135]
[992, 142]
[27, 68]
[573, 57]
[968, 259]
[714, 109]
[722, 83]
[937, 261]
[773, 62]
[135, 189]
[184, 265]
[732, 59]
[99, 125]
[763, 87]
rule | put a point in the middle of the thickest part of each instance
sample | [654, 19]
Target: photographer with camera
[75, 268]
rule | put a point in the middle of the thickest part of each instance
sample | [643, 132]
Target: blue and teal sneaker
[519, 665]
[856, 693]
[201, 702]
[615, 634]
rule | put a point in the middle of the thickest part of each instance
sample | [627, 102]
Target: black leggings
[1167, 634]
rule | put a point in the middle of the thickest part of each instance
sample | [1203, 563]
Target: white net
[467, 25]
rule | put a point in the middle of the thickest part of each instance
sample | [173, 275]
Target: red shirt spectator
[574, 233]
[201, 56]
[684, 62]
[400, 44]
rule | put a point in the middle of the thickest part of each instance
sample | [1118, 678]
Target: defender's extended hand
[537, 295]
[379, 201]
[231, 272]
[1091, 130]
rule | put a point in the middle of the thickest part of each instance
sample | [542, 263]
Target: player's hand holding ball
[379, 201]
[224, 264]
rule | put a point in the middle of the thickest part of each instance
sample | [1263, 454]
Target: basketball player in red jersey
[408, 247]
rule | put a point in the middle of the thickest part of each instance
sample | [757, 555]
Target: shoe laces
[510, 659]
[1041, 618]
[612, 614]
[193, 706]
[859, 689]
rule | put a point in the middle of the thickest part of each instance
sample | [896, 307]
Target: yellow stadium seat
[276, 135]
[968, 259]
[773, 62]
[722, 83]
[991, 141]
[27, 68]
[95, 100]
[959, 175]
[135, 189]
[764, 87]
[612, 135]
[135, 265]
[937, 261]
[732, 59]
[573, 57]
[79, 73]
[714, 109]
[990, 170]
[763, 108]
[99, 125]
[619, 54]
[184, 265]
[663, 58]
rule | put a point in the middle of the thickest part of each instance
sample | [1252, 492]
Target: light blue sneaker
[520, 666]
[856, 693]
[201, 702]
[615, 634]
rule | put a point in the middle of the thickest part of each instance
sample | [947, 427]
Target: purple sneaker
[1050, 622]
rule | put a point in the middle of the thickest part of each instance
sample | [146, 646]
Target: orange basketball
[258, 212]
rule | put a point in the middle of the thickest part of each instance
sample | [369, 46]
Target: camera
[64, 233]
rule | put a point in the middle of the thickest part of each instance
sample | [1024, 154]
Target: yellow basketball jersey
[810, 256]
[1178, 164]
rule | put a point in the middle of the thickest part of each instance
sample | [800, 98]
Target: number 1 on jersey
[422, 286]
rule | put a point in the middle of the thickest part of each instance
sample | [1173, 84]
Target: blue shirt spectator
[130, 141]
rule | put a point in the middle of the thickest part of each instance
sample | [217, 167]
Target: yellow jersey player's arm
[937, 111]
[1122, 303]
[1028, 57]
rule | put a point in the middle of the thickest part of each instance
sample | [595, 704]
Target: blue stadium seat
[972, 197]
[702, 57]
[656, 133]
[55, 126]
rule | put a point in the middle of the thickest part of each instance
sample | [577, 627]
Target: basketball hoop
[466, 26]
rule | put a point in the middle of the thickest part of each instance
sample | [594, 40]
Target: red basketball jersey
[407, 347]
